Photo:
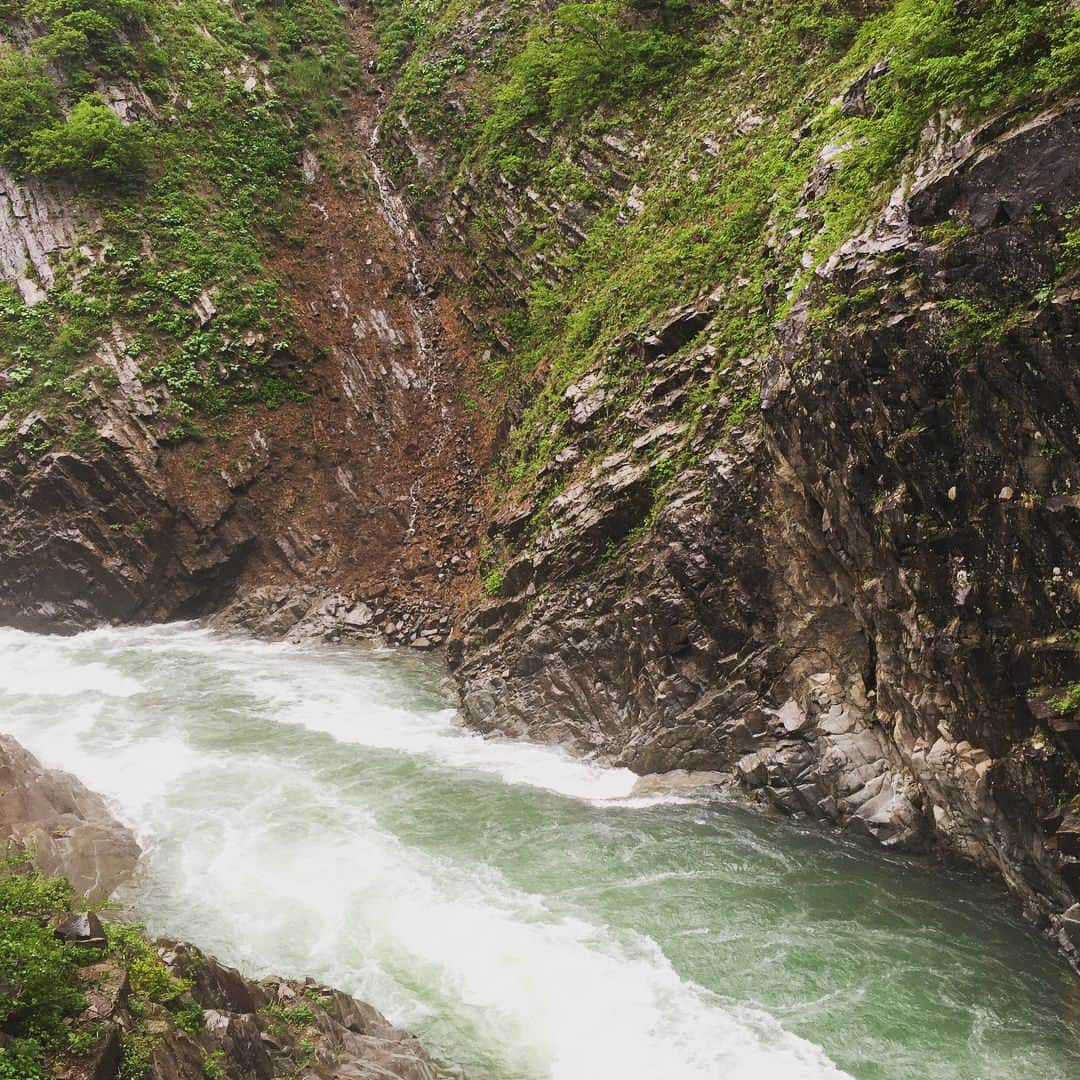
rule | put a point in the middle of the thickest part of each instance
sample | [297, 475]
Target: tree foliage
[28, 103]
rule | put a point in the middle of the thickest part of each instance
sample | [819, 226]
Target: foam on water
[301, 812]
[282, 871]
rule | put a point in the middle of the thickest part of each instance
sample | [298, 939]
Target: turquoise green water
[320, 813]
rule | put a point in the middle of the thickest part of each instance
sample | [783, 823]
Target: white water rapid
[315, 812]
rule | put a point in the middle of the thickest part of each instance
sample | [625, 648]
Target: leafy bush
[1068, 701]
[585, 56]
[213, 1066]
[295, 1015]
[38, 980]
[149, 977]
[28, 103]
[93, 143]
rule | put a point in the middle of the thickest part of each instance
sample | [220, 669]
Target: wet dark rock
[1069, 925]
[1066, 838]
[122, 552]
[343, 1038]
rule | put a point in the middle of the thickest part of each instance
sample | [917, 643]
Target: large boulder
[68, 828]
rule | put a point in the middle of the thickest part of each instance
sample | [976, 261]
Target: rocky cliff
[704, 372]
[814, 529]
[860, 603]
[225, 408]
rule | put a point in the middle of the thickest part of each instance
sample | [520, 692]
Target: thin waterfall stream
[319, 812]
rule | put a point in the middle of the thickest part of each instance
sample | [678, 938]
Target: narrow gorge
[560, 520]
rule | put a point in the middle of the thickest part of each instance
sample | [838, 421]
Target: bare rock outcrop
[273, 1028]
[224, 1024]
[67, 828]
[39, 223]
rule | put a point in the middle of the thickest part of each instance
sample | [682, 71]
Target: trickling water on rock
[319, 813]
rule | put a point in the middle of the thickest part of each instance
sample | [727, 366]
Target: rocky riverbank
[859, 602]
[67, 827]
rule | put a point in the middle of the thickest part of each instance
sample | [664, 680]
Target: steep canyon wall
[702, 375]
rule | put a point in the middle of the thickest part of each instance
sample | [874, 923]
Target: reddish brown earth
[375, 482]
[368, 490]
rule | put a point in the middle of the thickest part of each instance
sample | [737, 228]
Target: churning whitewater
[319, 812]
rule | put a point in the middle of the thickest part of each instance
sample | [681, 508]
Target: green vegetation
[150, 979]
[727, 118]
[1070, 245]
[92, 144]
[194, 176]
[587, 56]
[214, 1066]
[291, 1015]
[29, 104]
[1068, 701]
[43, 987]
[37, 973]
[493, 583]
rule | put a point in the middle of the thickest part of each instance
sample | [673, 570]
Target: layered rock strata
[858, 602]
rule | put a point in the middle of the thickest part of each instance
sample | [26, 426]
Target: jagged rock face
[344, 1038]
[848, 604]
[257, 1030]
[938, 478]
[38, 222]
[92, 539]
[68, 828]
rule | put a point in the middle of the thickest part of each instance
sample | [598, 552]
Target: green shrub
[92, 144]
[38, 975]
[137, 1050]
[1068, 701]
[149, 977]
[213, 1066]
[585, 56]
[28, 103]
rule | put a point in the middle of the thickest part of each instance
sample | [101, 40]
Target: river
[319, 812]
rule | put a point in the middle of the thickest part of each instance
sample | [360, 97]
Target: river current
[319, 812]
